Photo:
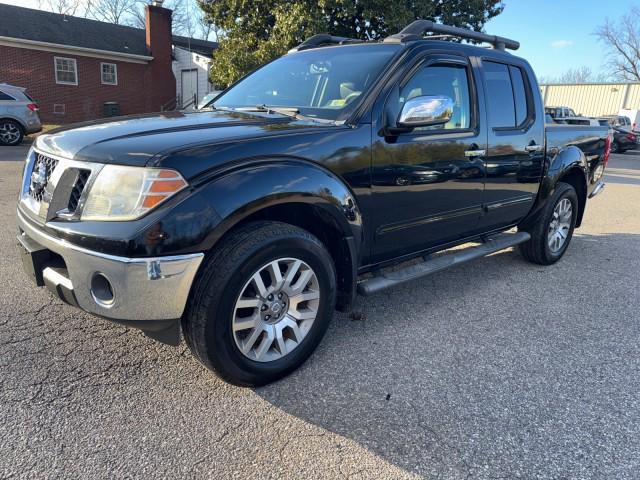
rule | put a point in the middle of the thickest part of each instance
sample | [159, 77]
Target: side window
[4, 96]
[507, 95]
[519, 94]
[448, 80]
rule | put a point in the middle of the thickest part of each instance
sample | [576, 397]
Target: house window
[66, 71]
[109, 73]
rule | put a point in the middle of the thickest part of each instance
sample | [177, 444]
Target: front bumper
[142, 289]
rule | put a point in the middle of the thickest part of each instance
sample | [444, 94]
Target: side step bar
[390, 279]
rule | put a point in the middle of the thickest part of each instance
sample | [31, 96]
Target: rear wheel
[261, 304]
[11, 132]
[615, 147]
[550, 237]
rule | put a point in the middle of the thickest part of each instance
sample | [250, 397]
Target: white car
[633, 115]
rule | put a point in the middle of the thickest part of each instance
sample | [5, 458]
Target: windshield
[323, 82]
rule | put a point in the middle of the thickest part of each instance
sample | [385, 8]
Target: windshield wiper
[286, 111]
[292, 112]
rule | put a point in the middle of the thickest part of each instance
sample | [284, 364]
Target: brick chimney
[160, 84]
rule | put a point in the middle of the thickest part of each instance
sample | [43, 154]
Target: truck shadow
[483, 370]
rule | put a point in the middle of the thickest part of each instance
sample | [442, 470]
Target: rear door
[515, 150]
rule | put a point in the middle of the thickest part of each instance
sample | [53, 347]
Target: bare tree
[623, 41]
[65, 7]
[188, 18]
[113, 11]
[577, 75]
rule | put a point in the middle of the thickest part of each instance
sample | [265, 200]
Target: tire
[615, 147]
[538, 249]
[11, 132]
[212, 315]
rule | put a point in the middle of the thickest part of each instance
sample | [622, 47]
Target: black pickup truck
[247, 224]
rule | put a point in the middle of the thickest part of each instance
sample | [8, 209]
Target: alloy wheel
[276, 309]
[560, 225]
[9, 133]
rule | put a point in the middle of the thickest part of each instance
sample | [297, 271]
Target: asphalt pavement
[494, 369]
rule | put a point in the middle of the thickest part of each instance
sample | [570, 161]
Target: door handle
[475, 153]
[533, 148]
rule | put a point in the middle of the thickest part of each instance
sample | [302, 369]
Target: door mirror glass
[425, 111]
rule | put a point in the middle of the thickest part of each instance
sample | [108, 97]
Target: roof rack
[416, 31]
[323, 39]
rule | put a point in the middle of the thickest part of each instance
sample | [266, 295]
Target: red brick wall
[35, 70]
[160, 80]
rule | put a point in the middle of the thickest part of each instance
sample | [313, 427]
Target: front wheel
[551, 235]
[261, 304]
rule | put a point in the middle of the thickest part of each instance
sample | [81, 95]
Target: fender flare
[559, 163]
[244, 191]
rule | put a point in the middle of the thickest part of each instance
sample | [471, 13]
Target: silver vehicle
[618, 121]
[18, 115]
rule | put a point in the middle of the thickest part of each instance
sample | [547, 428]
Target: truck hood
[135, 140]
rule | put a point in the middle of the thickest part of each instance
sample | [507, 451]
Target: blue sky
[556, 35]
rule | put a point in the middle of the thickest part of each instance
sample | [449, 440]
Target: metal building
[592, 99]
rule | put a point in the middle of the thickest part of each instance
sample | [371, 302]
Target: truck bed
[589, 139]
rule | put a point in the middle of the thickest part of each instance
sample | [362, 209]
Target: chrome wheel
[276, 309]
[9, 133]
[560, 225]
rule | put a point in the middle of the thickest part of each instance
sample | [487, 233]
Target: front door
[189, 87]
[427, 184]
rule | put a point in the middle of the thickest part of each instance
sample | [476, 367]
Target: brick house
[79, 69]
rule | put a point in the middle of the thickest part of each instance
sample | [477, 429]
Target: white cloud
[561, 43]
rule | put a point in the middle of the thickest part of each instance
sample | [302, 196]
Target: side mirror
[425, 111]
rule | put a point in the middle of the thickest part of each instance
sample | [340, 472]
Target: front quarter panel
[199, 222]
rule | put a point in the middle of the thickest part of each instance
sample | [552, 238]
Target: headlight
[127, 193]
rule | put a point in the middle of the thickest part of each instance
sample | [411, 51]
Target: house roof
[40, 26]
[203, 47]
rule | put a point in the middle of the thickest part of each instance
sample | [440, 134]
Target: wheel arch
[568, 165]
[575, 177]
[298, 193]
[15, 119]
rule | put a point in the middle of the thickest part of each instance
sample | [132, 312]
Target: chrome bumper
[597, 189]
[143, 289]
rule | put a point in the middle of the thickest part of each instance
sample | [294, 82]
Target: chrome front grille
[55, 187]
[78, 188]
[43, 167]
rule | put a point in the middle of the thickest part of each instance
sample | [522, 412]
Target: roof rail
[416, 31]
[323, 39]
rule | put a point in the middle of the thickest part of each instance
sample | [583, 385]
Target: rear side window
[519, 94]
[4, 96]
[506, 94]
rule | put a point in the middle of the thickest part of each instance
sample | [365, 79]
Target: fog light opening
[101, 290]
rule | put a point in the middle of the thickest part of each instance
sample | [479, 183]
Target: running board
[390, 279]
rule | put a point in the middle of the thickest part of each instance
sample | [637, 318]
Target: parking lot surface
[494, 369]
